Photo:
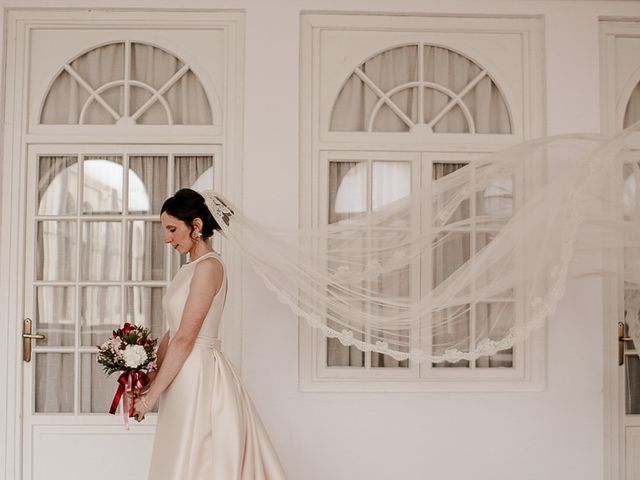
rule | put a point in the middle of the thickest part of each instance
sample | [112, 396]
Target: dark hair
[187, 205]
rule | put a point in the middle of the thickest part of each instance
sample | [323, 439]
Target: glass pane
[144, 307]
[195, 171]
[632, 374]
[380, 360]
[100, 313]
[57, 107]
[387, 120]
[391, 182]
[632, 112]
[182, 95]
[102, 185]
[55, 315]
[488, 278]
[394, 286]
[454, 121]
[463, 210]
[57, 185]
[496, 199]
[146, 250]
[96, 388]
[97, 114]
[347, 190]
[339, 355]
[487, 106]
[450, 251]
[54, 382]
[56, 251]
[347, 196]
[101, 250]
[451, 331]
[147, 184]
[493, 321]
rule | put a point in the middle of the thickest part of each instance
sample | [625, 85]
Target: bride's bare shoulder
[209, 271]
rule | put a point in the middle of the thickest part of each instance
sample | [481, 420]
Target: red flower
[126, 328]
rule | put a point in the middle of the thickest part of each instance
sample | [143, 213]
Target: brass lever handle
[27, 338]
[621, 339]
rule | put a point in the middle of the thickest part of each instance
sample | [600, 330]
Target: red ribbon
[129, 381]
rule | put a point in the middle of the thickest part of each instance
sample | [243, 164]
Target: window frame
[319, 147]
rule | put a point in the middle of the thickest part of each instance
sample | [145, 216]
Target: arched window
[391, 105]
[632, 112]
[420, 89]
[127, 83]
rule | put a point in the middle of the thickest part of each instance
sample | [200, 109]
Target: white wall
[556, 434]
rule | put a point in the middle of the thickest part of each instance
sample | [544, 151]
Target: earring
[197, 235]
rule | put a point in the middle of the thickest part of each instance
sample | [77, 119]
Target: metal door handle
[27, 338]
[622, 337]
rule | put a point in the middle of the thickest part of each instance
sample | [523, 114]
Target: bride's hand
[134, 394]
[143, 404]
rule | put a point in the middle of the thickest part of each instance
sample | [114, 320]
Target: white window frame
[319, 146]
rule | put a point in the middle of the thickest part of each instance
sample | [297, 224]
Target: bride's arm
[162, 350]
[206, 281]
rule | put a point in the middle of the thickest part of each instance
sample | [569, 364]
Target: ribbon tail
[116, 399]
[130, 389]
[125, 411]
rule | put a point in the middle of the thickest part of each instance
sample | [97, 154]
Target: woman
[207, 425]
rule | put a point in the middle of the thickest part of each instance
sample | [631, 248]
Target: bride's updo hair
[187, 205]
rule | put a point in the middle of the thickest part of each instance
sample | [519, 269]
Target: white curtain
[100, 306]
[186, 99]
[350, 195]
[399, 66]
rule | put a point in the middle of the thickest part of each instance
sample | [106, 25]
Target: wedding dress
[208, 428]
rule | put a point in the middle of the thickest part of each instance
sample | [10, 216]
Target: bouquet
[132, 351]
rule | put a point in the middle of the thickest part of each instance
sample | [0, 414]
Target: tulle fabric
[569, 209]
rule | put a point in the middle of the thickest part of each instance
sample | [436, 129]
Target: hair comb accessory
[219, 209]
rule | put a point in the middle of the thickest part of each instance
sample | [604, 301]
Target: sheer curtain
[356, 187]
[152, 69]
[397, 68]
[101, 307]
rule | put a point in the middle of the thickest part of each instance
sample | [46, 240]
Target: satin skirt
[208, 427]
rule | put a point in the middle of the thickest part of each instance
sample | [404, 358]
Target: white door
[127, 108]
[94, 258]
[620, 43]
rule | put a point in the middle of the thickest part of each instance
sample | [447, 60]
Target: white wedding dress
[208, 428]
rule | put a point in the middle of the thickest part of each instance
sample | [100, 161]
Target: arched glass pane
[102, 185]
[393, 77]
[632, 112]
[93, 88]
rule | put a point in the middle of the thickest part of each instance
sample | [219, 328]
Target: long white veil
[527, 219]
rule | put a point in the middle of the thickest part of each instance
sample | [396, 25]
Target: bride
[207, 425]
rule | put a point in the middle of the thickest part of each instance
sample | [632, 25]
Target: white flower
[134, 356]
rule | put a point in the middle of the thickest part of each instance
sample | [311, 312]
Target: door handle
[622, 338]
[27, 338]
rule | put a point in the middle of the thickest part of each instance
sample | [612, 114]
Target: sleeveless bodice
[175, 298]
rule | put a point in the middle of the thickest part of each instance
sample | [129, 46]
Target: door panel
[97, 260]
[98, 453]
